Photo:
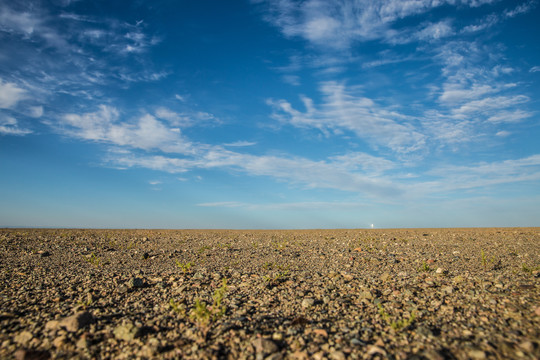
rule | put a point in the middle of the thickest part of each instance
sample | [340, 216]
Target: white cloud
[534, 69]
[19, 22]
[503, 133]
[337, 24]
[291, 79]
[488, 104]
[172, 117]
[509, 116]
[240, 144]
[343, 109]
[454, 93]
[10, 94]
[454, 178]
[520, 9]
[435, 31]
[36, 111]
[484, 24]
[145, 133]
[301, 171]
[9, 126]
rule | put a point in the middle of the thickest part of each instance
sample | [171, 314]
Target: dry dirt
[317, 294]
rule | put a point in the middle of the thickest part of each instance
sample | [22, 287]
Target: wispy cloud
[333, 174]
[10, 94]
[331, 24]
[454, 177]
[345, 109]
[9, 126]
[240, 143]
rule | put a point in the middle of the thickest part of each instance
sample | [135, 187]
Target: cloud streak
[345, 109]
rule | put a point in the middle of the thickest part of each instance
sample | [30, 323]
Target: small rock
[277, 336]
[82, 343]
[198, 276]
[357, 342]
[78, 321]
[23, 337]
[25, 354]
[136, 282]
[265, 346]
[366, 295]
[320, 332]
[308, 302]
[59, 342]
[447, 289]
[127, 332]
[52, 325]
[537, 311]
[476, 354]
[527, 346]
[385, 276]
[337, 355]
[44, 254]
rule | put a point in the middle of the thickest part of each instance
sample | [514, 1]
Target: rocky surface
[318, 294]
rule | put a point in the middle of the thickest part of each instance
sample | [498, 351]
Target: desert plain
[255, 294]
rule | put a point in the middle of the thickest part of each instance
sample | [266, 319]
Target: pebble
[337, 355]
[136, 282]
[27, 354]
[308, 302]
[476, 354]
[76, 322]
[127, 332]
[23, 338]
[265, 346]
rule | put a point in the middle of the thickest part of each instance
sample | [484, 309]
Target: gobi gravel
[317, 294]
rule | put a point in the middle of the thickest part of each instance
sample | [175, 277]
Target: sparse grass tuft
[186, 267]
[203, 314]
[398, 324]
[425, 267]
[94, 260]
[529, 269]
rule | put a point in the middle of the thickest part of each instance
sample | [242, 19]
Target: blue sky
[269, 114]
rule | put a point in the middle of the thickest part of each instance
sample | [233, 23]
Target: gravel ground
[314, 294]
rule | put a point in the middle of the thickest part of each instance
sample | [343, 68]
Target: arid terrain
[313, 294]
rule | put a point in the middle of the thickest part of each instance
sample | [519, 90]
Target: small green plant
[484, 259]
[186, 267]
[203, 314]
[399, 324]
[203, 249]
[425, 267]
[529, 269]
[268, 265]
[276, 278]
[87, 303]
[94, 260]
[177, 307]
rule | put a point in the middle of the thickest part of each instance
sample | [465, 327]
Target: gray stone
[308, 302]
[136, 282]
[127, 332]
[265, 346]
